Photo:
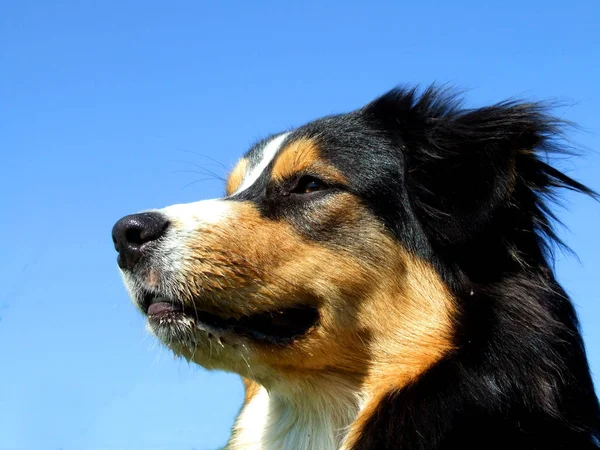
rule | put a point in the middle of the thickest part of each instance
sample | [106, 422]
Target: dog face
[296, 272]
[350, 245]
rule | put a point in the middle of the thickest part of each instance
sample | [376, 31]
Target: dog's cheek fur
[371, 341]
[252, 264]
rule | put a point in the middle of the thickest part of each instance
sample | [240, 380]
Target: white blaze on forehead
[267, 155]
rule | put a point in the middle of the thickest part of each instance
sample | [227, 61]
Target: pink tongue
[161, 307]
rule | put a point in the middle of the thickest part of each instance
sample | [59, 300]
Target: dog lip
[162, 307]
[278, 326]
[148, 299]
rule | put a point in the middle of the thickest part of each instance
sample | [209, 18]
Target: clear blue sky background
[105, 108]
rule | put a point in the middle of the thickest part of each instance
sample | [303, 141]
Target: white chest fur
[273, 422]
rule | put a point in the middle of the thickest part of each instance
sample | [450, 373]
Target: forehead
[364, 161]
[278, 159]
[345, 143]
[254, 164]
[263, 153]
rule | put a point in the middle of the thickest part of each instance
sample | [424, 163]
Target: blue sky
[107, 108]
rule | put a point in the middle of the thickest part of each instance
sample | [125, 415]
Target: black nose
[131, 235]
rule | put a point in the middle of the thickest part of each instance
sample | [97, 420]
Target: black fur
[479, 189]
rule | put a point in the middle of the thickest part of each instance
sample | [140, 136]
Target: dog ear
[463, 166]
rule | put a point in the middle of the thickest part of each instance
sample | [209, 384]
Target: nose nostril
[131, 232]
[164, 227]
[134, 236]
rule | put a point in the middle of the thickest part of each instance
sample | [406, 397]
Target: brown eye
[307, 185]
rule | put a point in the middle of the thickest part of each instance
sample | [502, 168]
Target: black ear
[469, 169]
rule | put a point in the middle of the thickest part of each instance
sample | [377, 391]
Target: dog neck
[310, 418]
[327, 411]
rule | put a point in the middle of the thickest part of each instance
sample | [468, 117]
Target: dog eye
[307, 185]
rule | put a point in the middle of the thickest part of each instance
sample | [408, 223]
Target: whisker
[201, 166]
[206, 157]
[202, 171]
[246, 361]
[197, 181]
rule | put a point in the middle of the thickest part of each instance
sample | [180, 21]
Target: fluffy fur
[382, 279]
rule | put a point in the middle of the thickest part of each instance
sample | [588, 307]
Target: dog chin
[198, 344]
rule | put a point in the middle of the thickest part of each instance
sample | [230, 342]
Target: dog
[381, 279]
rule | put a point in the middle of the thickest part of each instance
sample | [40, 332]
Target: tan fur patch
[416, 333]
[303, 156]
[372, 340]
[385, 316]
[250, 389]
[234, 181]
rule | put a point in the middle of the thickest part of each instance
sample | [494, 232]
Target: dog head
[345, 246]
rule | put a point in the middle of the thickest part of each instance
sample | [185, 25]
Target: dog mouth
[276, 327]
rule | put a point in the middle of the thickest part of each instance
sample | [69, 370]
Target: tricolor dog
[380, 279]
